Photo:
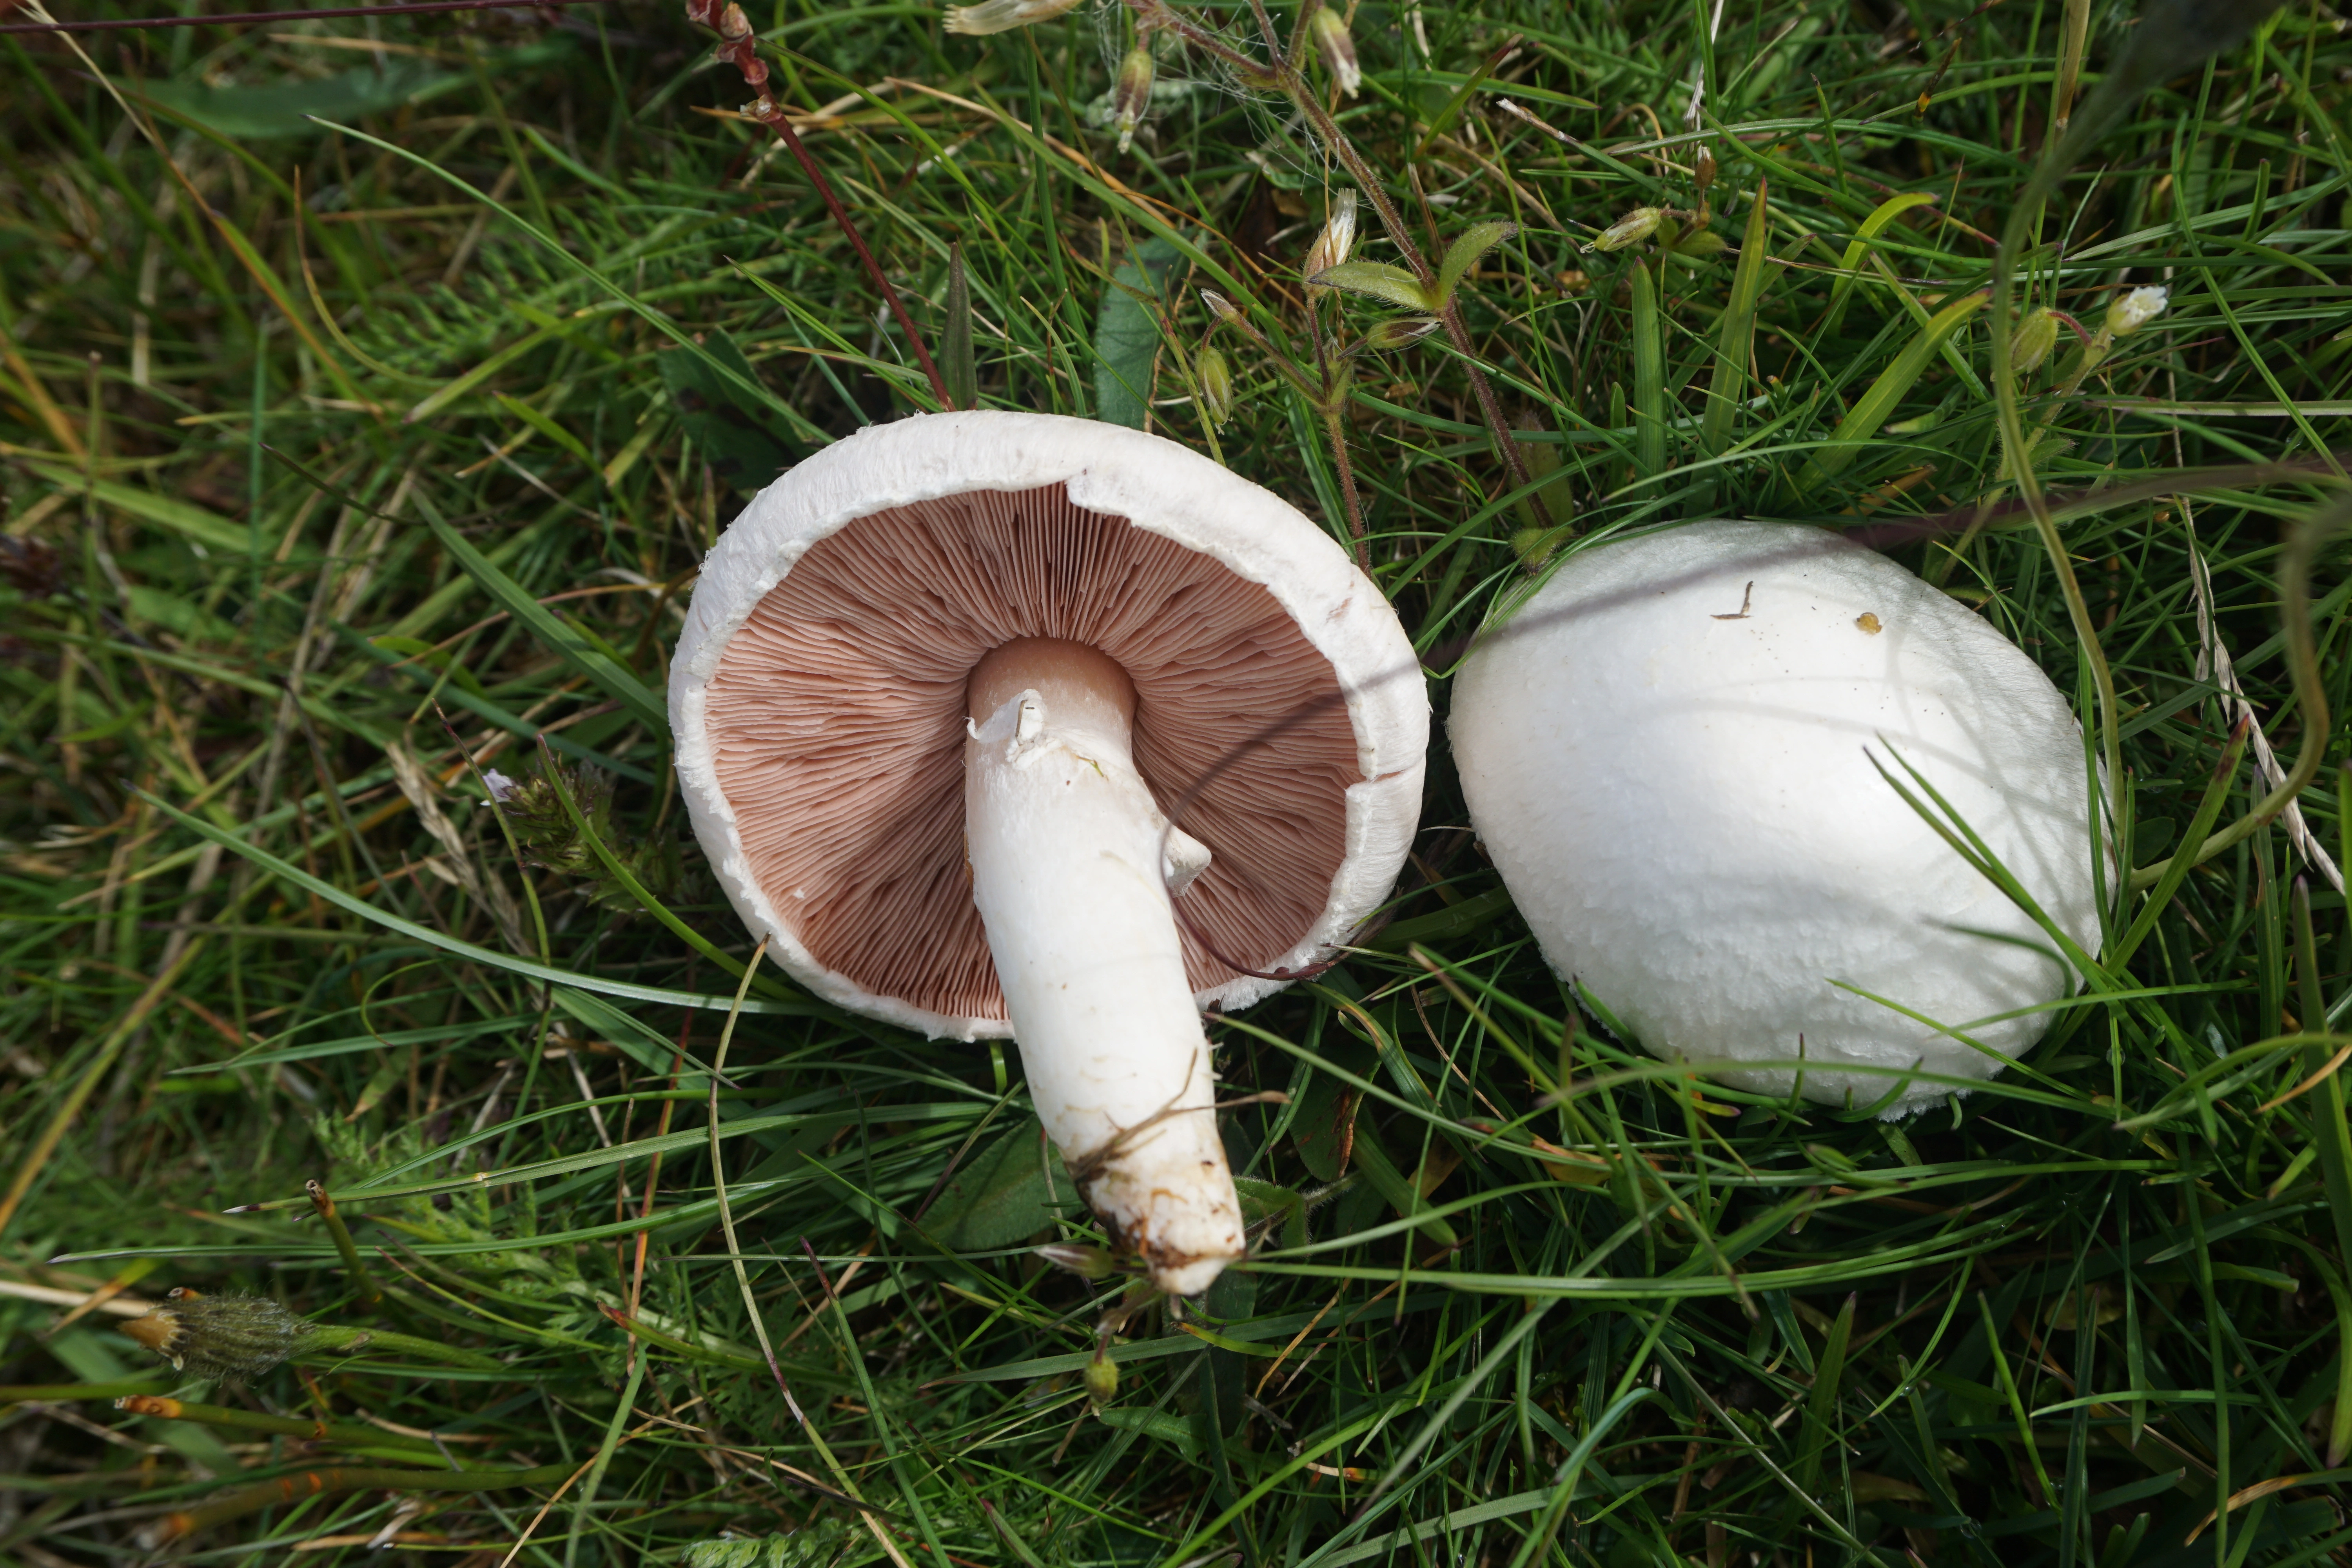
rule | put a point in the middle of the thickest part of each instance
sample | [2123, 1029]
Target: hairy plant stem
[1333, 427]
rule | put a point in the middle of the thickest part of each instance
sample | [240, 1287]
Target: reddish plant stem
[1334, 426]
[740, 46]
[233, 18]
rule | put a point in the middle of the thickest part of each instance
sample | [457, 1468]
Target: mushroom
[941, 689]
[1668, 753]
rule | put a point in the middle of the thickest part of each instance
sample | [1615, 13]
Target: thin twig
[233, 18]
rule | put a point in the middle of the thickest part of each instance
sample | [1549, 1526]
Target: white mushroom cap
[1679, 800]
[818, 699]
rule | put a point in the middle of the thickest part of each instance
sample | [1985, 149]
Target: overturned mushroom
[1668, 752]
[939, 687]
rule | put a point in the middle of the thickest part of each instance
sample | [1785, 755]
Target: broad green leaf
[739, 439]
[295, 108]
[1397, 1188]
[1127, 335]
[1002, 1196]
[1392, 285]
[1325, 1126]
[1262, 1199]
[1871, 410]
[1463, 254]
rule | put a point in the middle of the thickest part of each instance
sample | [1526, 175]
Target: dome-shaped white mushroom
[1665, 752]
[938, 685]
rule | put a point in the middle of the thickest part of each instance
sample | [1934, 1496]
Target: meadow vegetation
[370, 388]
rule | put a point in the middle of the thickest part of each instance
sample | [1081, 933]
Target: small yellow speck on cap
[1868, 622]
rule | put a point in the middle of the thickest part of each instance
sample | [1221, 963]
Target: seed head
[1400, 332]
[1632, 229]
[2136, 309]
[1102, 1379]
[1217, 380]
[1221, 308]
[1131, 93]
[1338, 49]
[1004, 15]
[220, 1336]
[1085, 1262]
[1339, 236]
[1700, 244]
[1534, 546]
[2036, 335]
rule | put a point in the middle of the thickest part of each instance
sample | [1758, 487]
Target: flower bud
[733, 25]
[1699, 244]
[1085, 1262]
[1221, 308]
[1339, 236]
[1004, 15]
[1632, 229]
[1130, 94]
[2136, 309]
[1216, 386]
[1102, 1379]
[1400, 332]
[1534, 546]
[1338, 49]
[220, 1336]
[2036, 335]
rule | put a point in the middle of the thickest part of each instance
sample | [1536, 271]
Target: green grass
[279, 479]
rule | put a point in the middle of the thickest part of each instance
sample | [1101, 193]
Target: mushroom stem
[1072, 868]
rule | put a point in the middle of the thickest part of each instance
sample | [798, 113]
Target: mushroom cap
[818, 699]
[1682, 803]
